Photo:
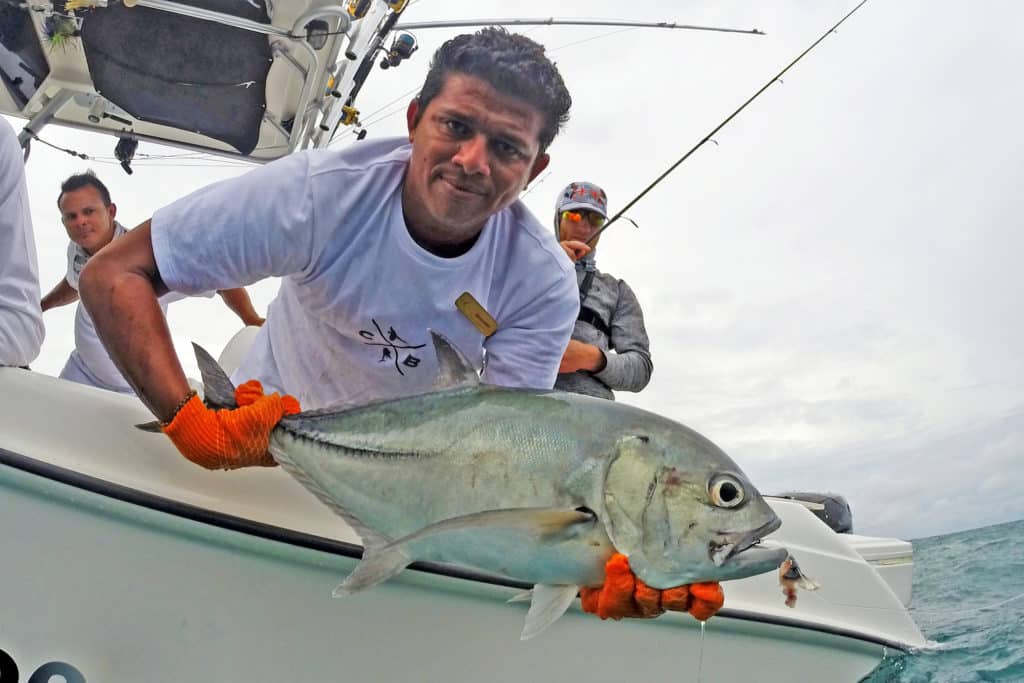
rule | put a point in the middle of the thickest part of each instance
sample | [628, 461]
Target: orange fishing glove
[230, 438]
[624, 595]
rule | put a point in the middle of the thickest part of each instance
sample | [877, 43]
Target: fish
[537, 486]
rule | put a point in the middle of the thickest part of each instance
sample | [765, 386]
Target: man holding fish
[374, 244]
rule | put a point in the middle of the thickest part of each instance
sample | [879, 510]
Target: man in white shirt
[21, 321]
[89, 216]
[373, 244]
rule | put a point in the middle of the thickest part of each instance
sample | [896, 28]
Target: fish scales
[496, 449]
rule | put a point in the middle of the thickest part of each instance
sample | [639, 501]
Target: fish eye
[726, 491]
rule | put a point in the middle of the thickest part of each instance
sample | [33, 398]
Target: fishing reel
[401, 49]
[357, 9]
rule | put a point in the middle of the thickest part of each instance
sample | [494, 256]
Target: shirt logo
[393, 348]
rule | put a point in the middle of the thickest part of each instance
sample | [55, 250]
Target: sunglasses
[595, 219]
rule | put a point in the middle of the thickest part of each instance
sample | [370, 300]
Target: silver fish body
[537, 486]
[401, 465]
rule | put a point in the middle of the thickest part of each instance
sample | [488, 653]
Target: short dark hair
[80, 180]
[512, 64]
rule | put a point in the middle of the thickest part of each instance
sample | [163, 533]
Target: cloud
[915, 487]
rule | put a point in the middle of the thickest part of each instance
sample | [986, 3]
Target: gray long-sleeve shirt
[626, 348]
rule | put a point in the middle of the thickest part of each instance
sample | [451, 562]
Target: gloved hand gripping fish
[539, 486]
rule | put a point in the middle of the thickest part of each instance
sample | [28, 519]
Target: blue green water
[969, 602]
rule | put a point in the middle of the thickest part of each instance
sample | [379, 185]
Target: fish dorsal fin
[454, 369]
[218, 391]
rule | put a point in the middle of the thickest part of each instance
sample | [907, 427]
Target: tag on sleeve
[476, 314]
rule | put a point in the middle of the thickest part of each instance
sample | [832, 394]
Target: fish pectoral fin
[525, 596]
[377, 565]
[546, 524]
[549, 603]
[383, 559]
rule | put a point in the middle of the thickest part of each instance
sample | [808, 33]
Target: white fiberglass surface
[125, 593]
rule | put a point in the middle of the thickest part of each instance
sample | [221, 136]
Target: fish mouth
[734, 543]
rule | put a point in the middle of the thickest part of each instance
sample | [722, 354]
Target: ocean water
[969, 603]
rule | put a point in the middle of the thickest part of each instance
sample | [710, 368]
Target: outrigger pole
[552, 21]
[721, 125]
[343, 111]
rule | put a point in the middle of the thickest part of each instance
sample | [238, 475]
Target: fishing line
[368, 123]
[719, 127]
[534, 185]
[72, 152]
[587, 40]
[370, 117]
[700, 659]
[208, 161]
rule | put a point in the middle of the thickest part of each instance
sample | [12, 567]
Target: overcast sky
[832, 290]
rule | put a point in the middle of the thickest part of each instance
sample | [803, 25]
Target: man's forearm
[582, 356]
[61, 295]
[121, 297]
[628, 371]
[239, 302]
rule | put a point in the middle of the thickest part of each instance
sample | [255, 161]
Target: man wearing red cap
[609, 349]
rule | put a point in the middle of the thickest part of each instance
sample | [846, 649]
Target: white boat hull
[127, 563]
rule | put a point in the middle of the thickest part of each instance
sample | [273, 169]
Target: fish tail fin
[218, 390]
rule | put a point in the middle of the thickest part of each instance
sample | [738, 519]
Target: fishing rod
[720, 126]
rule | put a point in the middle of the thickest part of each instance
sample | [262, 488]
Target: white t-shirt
[78, 257]
[21, 318]
[358, 296]
[90, 363]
